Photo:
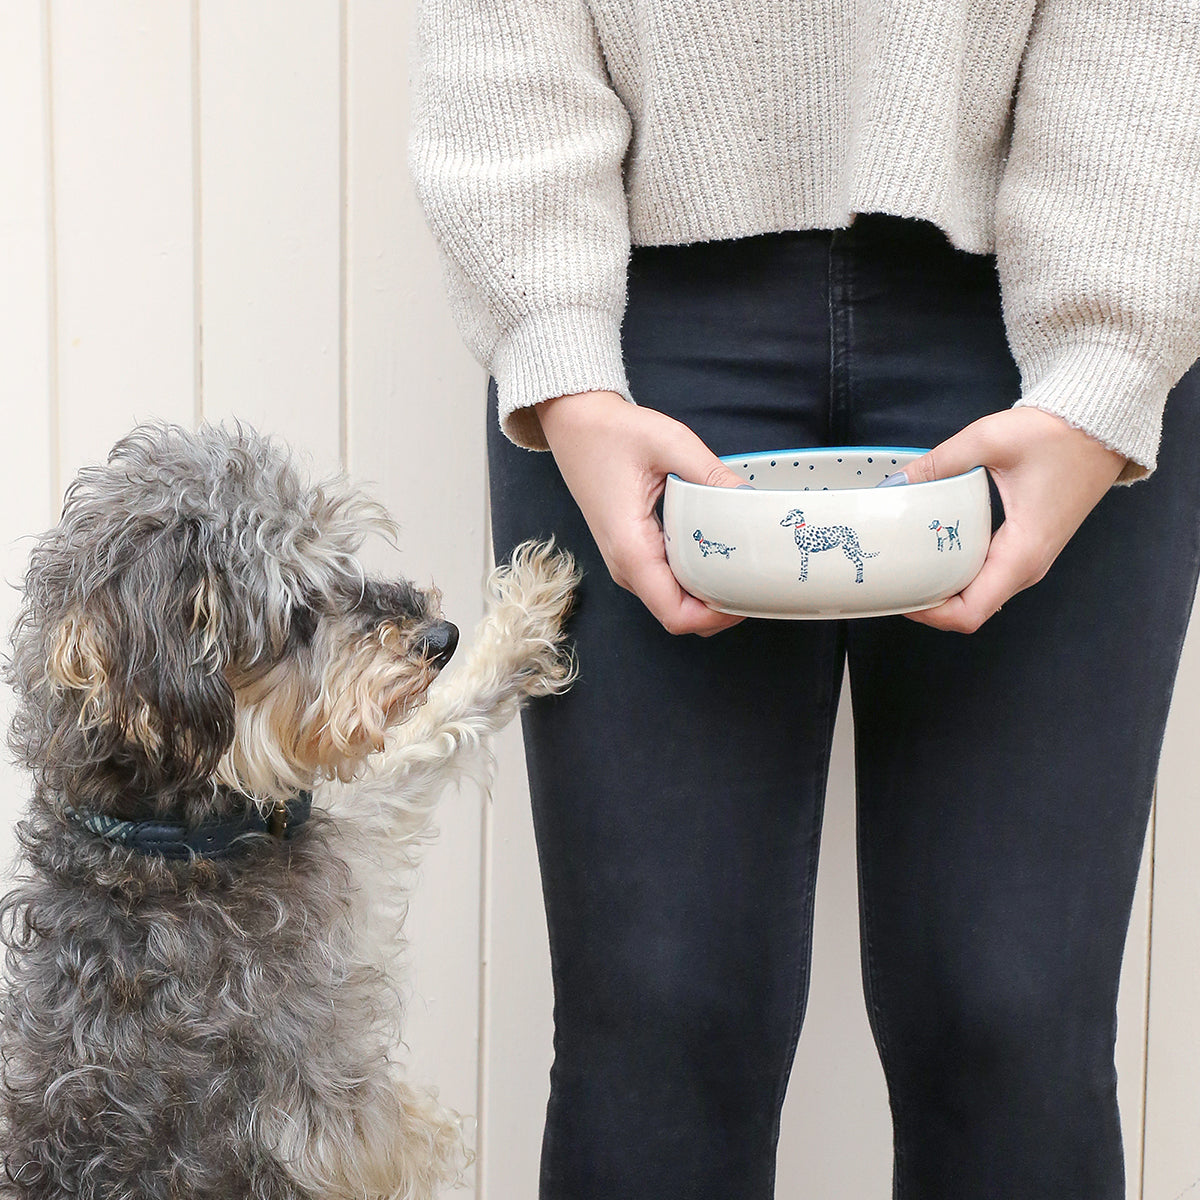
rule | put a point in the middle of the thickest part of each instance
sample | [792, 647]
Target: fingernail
[894, 478]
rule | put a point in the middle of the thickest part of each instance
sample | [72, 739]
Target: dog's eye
[304, 624]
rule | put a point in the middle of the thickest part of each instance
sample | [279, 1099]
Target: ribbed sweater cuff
[1108, 391]
[555, 353]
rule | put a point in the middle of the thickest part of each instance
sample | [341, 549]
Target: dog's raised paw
[529, 600]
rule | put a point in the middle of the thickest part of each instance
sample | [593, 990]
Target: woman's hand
[615, 458]
[1050, 475]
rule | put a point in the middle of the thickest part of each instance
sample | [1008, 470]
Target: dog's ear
[143, 653]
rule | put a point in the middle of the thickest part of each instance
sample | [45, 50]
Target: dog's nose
[438, 642]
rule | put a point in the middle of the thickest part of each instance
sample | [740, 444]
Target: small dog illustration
[947, 535]
[236, 753]
[707, 547]
[812, 539]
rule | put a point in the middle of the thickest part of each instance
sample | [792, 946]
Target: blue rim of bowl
[732, 458]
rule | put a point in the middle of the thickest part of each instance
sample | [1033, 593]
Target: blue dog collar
[209, 839]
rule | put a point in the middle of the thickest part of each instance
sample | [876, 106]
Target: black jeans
[1004, 777]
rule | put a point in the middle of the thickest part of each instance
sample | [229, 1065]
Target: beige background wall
[204, 212]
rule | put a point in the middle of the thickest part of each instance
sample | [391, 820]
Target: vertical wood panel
[415, 428]
[520, 997]
[25, 313]
[1172, 1169]
[121, 79]
[270, 202]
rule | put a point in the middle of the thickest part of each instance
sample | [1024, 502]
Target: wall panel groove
[51, 246]
[197, 223]
[343, 237]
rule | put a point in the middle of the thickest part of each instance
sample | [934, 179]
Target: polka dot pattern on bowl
[820, 469]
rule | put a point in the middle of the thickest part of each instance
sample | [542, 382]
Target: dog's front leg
[518, 651]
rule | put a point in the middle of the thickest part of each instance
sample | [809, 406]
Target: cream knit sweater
[1063, 135]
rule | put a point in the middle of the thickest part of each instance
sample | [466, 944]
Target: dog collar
[209, 839]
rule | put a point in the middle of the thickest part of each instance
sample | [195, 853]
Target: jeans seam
[840, 316]
[803, 974]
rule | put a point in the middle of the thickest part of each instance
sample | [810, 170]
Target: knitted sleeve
[1098, 216]
[516, 146]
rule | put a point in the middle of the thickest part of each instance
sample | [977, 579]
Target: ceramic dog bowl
[815, 538]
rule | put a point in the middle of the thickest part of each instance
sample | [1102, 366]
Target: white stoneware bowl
[815, 538]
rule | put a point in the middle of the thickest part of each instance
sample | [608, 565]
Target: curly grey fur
[204, 1029]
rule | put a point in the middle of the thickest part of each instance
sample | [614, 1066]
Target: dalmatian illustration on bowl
[814, 538]
[785, 545]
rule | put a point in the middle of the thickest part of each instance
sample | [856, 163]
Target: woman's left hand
[1050, 475]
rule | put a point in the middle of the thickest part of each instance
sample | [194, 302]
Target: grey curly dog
[234, 760]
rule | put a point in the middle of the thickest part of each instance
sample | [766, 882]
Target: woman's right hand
[615, 457]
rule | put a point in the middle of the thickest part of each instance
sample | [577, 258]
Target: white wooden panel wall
[414, 425]
[205, 213]
[119, 73]
[270, 197]
[28, 382]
